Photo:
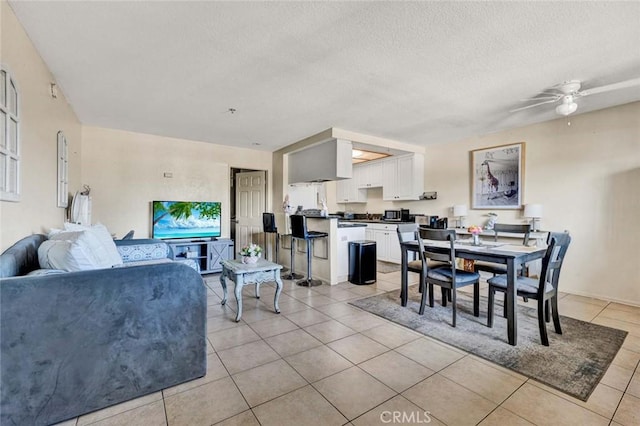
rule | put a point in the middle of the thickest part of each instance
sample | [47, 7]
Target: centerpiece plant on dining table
[475, 232]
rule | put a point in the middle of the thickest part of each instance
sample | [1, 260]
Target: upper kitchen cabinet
[403, 177]
[369, 174]
[347, 191]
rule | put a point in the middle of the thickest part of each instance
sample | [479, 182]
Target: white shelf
[209, 253]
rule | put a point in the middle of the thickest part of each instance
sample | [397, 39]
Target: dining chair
[496, 268]
[409, 232]
[447, 277]
[544, 289]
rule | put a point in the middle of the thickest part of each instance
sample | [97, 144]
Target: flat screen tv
[186, 219]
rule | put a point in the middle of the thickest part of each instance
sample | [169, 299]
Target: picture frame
[497, 177]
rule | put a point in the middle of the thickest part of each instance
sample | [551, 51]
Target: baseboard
[601, 297]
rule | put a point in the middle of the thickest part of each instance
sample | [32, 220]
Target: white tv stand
[208, 253]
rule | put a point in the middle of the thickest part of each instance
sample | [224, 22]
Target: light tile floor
[324, 362]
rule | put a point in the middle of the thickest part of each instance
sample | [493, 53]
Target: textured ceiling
[417, 72]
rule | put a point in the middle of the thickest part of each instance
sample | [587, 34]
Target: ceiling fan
[568, 91]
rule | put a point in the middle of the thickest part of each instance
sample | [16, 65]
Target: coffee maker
[434, 222]
[442, 223]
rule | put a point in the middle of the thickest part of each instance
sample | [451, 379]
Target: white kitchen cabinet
[403, 177]
[369, 233]
[369, 174]
[347, 191]
[386, 238]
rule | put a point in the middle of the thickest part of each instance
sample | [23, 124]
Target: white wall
[586, 176]
[41, 117]
[126, 173]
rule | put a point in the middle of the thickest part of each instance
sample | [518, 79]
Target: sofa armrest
[77, 342]
[22, 257]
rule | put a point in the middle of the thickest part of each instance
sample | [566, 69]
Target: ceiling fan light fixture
[569, 87]
[566, 108]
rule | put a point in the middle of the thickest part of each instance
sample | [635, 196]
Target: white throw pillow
[72, 254]
[88, 243]
[109, 251]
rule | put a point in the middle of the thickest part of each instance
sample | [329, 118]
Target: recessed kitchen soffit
[361, 155]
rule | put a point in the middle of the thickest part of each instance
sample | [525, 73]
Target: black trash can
[362, 262]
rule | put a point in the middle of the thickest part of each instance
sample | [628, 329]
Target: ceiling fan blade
[534, 105]
[542, 98]
[614, 86]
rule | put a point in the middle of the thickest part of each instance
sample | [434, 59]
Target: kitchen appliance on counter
[433, 222]
[404, 215]
[427, 221]
[393, 215]
[345, 215]
[441, 223]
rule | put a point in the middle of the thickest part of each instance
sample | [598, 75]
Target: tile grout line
[365, 372]
[338, 372]
[500, 405]
[291, 391]
[292, 367]
[625, 391]
[164, 408]
[599, 312]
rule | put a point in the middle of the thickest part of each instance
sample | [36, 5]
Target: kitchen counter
[351, 225]
[390, 222]
[330, 255]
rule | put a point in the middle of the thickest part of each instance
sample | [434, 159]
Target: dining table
[507, 254]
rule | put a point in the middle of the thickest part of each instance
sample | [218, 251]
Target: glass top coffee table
[257, 273]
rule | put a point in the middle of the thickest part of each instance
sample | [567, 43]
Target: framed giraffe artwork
[497, 177]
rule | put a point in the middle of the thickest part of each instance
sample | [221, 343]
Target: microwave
[392, 215]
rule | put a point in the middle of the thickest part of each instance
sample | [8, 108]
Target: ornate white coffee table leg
[238, 292]
[223, 281]
[258, 290]
[278, 291]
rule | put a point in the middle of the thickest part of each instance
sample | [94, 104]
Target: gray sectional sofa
[76, 342]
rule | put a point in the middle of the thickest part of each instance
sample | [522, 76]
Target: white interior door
[250, 204]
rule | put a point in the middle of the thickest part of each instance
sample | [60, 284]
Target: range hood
[329, 160]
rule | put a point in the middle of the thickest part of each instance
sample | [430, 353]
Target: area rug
[387, 267]
[574, 362]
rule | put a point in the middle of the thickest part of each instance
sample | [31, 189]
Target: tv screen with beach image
[186, 219]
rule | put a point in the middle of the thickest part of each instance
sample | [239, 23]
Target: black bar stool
[299, 231]
[269, 227]
[292, 274]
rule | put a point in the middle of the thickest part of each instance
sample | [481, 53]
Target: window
[9, 139]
